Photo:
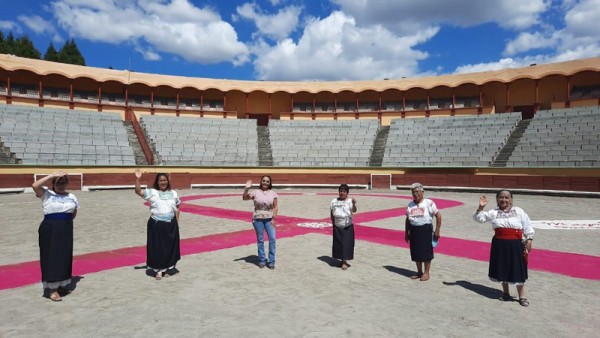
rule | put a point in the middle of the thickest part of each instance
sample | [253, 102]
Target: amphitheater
[532, 128]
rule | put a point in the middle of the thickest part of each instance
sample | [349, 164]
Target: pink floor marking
[575, 265]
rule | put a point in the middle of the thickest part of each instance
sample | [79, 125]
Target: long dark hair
[158, 177]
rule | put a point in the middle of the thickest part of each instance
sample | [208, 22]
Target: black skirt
[506, 261]
[56, 250]
[343, 243]
[162, 246]
[421, 249]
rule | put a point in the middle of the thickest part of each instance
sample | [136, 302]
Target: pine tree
[9, 43]
[69, 53]
[24, 48]
[51, 53]
[2, 44]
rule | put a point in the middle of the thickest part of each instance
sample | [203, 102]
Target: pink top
[263, 203]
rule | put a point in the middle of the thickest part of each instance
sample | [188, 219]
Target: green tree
[70, 53]
[2, 43]
[51, 53]
[9, 43]
[24, 48]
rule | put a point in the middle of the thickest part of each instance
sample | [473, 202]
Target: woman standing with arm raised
[264, 217]
[511, 244]
[56, 233]
[162, 242]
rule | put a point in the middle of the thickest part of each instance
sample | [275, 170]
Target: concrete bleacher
[37, 135]
[560, 138]
[346, 143]
[202, 141]
[461, 141]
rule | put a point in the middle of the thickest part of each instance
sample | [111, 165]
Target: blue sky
[308, 40]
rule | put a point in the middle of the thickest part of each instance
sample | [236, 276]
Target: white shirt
[422, 213]
[515, 218]
[342, 212]
[54, 203]
[163, 204]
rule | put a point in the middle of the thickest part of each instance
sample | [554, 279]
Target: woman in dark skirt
[511, 244]
[418, 230]
[162, 245]
[56, 233]
[342, 209]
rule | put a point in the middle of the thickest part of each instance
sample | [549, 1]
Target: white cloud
[40, 25]
[10, 26]
[576, 40]
[407, 16]
[528, 41]
[335, 48]
[583, 19]
[490, 66]
[277, 26]
[177, 27]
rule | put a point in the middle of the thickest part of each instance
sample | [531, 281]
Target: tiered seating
[202, 141]
[66, 137]
[322, 143]
[448, 141]
[560, 138]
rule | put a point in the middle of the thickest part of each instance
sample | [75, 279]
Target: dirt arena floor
[221, 292]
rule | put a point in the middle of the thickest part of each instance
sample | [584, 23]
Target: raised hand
[483, 201]
[248, 184]
[59, 173]
[138, 173]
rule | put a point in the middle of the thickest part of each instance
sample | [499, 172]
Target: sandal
[54, 296]
[417, 276]
[62, 291]
[159, 275]
[506, 297]
[424, 278]
[524, 302]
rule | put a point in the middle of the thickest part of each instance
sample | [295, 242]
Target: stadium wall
[15, 178]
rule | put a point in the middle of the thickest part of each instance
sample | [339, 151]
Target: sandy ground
[224, 293]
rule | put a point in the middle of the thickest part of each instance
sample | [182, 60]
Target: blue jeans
[260, 225]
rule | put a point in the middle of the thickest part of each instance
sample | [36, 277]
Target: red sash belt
[506, 233]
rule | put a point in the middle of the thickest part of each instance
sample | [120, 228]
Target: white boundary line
[495, 190]
[110, 187]
[278, 186]
[567, 225]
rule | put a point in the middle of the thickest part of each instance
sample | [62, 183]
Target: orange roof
[40, 67]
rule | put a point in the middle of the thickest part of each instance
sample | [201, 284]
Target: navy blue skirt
[506, 261]
[162, 246]
[421, 249]
[56, 249]
[343, 243]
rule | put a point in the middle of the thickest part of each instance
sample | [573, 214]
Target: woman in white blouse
[162, 242]
[511, 243]
[342, 210]
[419, 230]
[56, 233]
